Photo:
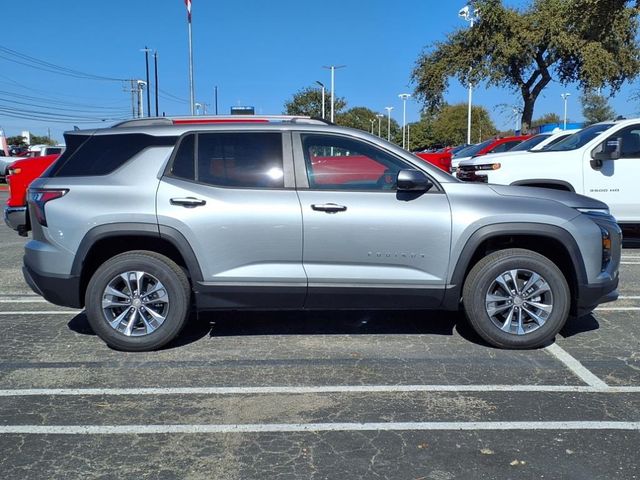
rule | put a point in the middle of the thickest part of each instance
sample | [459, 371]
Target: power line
[29, 61]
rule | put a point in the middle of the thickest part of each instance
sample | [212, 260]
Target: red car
[493, 145]
[440, 158]
[21, 174]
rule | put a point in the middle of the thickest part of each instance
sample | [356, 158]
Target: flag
[3, 143]
[188, 4]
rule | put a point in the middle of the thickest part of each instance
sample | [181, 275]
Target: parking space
[316, 395]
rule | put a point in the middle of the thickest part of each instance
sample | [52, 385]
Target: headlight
[486, 166]
[595, 211]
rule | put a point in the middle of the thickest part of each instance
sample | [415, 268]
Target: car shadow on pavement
[577, 325]
[345, 322]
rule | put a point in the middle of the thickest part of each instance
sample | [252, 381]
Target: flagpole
[191, 94]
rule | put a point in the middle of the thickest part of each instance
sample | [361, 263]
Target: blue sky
[257, 52]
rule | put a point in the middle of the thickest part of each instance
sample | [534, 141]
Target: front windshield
[530, 143]
[581, 138]
[473, 149]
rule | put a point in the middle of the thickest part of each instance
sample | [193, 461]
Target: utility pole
[155, 67]
[146, 62]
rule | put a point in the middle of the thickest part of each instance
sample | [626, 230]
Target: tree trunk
[527, 112]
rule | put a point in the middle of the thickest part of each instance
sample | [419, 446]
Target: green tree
[450, 125]
[546, 119]
[41, 140]
[589, 42]
[308, 102]
[17, 140]
[595, 107]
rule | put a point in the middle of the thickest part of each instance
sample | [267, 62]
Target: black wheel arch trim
[535, 182]
[454, 290]
[114, 230]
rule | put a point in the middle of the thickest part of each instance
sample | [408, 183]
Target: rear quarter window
[102, 154]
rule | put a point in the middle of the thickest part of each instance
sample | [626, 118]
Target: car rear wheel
[516, 298]
[138, 301]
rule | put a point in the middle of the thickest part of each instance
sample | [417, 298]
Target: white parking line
[617, 309]
[310, 427]
[575, 366]
[44, 312]
[319, 389]
[629, 263]
[23, 300]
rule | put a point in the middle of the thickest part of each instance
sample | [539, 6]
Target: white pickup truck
[601, 161]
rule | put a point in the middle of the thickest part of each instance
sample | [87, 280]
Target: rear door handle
[188, 202]
[329, 207]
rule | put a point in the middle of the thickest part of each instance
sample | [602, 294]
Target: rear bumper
[16, 218]
[59, 290]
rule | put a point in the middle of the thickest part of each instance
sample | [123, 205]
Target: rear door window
[231, 159]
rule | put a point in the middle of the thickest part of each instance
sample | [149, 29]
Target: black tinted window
[251, 160]
[102, 154]
[184, 161]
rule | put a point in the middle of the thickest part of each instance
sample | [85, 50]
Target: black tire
[482, 278]
[157, 267]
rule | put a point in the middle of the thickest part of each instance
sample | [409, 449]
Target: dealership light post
[469, 14]
[404, 97]
[380, 116]
[322, 86]
[372, 121]
[388, 109]
[565, 97]
[333, 69]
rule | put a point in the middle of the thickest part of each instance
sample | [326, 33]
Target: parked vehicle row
[601, 161]
[135, 221]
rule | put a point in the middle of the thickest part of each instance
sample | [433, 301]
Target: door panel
[615, 182]
[379, 248]
[248, 239]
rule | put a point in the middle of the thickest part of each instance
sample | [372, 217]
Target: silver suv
[140, 222]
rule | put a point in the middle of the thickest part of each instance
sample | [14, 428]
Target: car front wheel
[516, 298]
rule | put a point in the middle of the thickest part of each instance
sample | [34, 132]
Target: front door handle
[188, 202]
[329, 208]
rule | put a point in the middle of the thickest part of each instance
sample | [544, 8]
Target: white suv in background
[601, 161]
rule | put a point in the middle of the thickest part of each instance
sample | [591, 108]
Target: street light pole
[469, 14]
[404, 97]
[388, 109]
[380, 116]
[322, 86]
[565, 97]
[333, 69]
[372, 121]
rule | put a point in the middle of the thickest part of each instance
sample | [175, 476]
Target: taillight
[14, 170]
[39, 196]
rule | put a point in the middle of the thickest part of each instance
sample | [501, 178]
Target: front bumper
[16, 218]
[590, 296]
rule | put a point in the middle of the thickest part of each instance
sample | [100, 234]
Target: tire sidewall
[178, 301]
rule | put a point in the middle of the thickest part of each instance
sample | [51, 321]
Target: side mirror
[608, 150]
[413, 181]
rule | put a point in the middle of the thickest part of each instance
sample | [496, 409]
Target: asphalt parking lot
[320, 395]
